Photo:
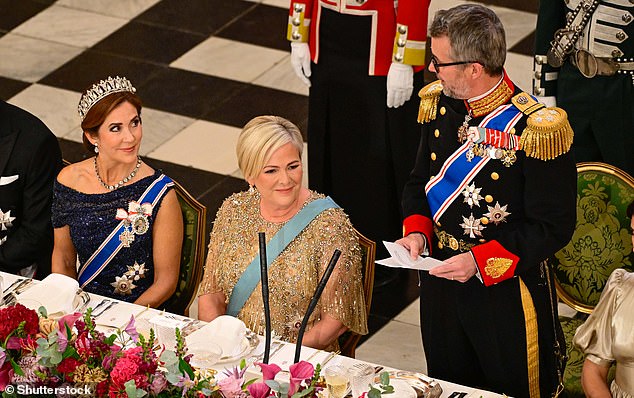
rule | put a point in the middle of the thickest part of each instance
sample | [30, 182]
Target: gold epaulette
[548, 133]
[429, 96]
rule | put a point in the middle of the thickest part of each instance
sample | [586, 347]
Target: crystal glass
[361, 377]
[337, 381]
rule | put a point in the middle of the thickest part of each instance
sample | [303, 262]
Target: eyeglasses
[438, 65]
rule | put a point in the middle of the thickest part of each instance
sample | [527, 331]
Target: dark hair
[100, 111]
[630, 210]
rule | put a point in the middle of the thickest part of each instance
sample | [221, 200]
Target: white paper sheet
[400, 258]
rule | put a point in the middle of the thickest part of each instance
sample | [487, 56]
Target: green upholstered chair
[601, 243]
[192, 254]
[349, 340]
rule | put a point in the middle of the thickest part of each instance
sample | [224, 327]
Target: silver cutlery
[12, 297]
[101, 304]
[104, 309]
[329, 357]
[15, 282]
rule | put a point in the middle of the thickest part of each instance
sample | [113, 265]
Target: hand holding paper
[400, 258]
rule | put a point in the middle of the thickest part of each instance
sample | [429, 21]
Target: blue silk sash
[111, 245]
[251, 275]
[457, 171]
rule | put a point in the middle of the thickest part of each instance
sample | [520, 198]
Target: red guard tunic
[397, 35]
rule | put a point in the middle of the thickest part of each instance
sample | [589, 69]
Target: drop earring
[96, 148]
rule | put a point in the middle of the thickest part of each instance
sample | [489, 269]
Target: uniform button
[495, 176]
[433, 156]
[402, 29]
[432, 177]
[488, 198]
[443, 110]
[621, 36]
[484, 220]
[512, 130]
[436, 133]
[482, 240]
[438, 224]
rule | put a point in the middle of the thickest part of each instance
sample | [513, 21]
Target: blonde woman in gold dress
[269, 153]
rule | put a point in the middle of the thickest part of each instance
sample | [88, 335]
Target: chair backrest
[192, 254]
[601, 241]
[349, 340]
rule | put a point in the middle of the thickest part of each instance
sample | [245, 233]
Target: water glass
[337, 381]
[361, 377]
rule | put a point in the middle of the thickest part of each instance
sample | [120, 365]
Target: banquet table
[117, 314]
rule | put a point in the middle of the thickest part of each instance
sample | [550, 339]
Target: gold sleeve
[210, 283]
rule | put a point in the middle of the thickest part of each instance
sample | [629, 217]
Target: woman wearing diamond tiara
[118, 224]
[269, 153]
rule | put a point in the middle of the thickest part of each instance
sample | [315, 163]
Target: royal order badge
[135, 221]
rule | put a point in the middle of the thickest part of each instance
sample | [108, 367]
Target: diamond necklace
[121, 182]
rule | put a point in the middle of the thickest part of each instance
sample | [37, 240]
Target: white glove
[550, 101]
[300, 59]
[400, 84]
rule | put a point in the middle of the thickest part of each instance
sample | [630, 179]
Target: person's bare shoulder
[75, 175]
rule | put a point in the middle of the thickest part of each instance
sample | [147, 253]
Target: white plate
[245, 348]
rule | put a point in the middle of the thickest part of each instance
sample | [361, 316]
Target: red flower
[11, 317]
[68, 365]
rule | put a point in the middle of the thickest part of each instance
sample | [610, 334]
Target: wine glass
[337, 381]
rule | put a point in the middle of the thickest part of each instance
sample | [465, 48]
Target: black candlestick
[264, 277]
[314, 300]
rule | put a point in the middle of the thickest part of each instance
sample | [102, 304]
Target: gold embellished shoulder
[429, 96]
[548, 133]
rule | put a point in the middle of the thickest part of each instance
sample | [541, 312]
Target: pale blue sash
[251, 275]
[111, 245]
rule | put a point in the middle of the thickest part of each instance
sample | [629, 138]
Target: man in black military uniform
[584, 62]
[30, 159]
[493, 195]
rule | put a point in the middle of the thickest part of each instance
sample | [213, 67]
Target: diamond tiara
[101, 90]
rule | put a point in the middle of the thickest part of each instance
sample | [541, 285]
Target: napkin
[60, 303]
[226, 331]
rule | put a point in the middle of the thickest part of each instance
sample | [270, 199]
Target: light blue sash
[111, 245]
[251, 275]
[457, 171]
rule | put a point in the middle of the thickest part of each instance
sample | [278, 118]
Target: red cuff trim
[496, 264]
[418, 223]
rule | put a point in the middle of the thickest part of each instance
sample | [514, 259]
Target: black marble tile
[196, 16]
[10, 87]
[526, 46]
[217, 193]
[89, 67]
[150, 43]
[186, 93]
[257, 100]
[263, 25]
[13, 14]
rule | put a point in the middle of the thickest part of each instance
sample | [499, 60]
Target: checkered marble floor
[203, 68]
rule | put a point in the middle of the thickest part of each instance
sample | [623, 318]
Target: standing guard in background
[360, 59]
[584, 60]
[492, 195]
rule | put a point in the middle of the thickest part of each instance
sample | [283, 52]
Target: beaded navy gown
[92, 218]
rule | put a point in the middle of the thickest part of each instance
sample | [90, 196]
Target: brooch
[123, 285]
[135, 221]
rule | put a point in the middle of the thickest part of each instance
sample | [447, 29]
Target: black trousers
[359, 151]
[476, 335]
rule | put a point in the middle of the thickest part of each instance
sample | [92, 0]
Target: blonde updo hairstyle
[260, 138]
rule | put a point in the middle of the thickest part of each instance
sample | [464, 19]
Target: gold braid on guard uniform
[429, 97]
[548, 133]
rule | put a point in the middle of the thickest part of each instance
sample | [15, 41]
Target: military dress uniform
[493, 177]
[360, 151]
[585, 58]
[30, 159]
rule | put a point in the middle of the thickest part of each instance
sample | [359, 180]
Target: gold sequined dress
[295, 273]
[608, 336]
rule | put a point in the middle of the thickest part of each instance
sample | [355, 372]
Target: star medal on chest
[6, 220]
[135, 221]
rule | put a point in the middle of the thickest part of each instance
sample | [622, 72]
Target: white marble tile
[229, 59]
[519, 68]
[203, 145]
[28, 59]
[116, 8]
[69, 26]
[397, 345]
[56, 107]
[411, 314]
[282, 77]
[517, 24]
[159, 127]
